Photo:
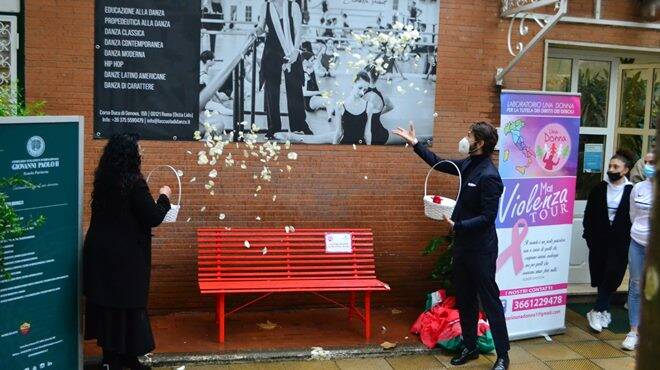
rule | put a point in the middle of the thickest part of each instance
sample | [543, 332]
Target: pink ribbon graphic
[514, 251]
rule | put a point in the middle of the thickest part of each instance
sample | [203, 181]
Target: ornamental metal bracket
[520, 11]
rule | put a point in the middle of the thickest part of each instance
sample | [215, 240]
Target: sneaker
[630, 342]
[605, 319]
[595, 320]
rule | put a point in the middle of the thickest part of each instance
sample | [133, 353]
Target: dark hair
[625, 156]
[373, 74]
[118, 170]
[206, 56]
[362, 75]
[486, 132]
[307, 46]
[322, 20]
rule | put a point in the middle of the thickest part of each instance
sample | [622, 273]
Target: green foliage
[12, 103]
[11, 224]
[442, 269]
[633, 100]
[594, 88]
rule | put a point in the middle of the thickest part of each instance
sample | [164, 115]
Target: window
[591, 77]
[559, 74]
[639, 102]
[594, 84]
[248, 13]
[233, 12]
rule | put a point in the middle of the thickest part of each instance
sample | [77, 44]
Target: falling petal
[258, 218]
[203, 209]
[286, 229]
[189, 218]
[354, 147]
[258, 187]
[193, 179]
[246, 244]
[213, 174]
[435, 114]
[288, 168]
[188, 152]
[179, 173]
[222, 216]
[366, 177]
[292, 156]
[264, 251]
[274, 197]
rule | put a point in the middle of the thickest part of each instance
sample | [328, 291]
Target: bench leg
[220, 315]
[367, 315]
[351, 306]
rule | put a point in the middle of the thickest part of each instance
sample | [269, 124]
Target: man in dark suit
[475, 240]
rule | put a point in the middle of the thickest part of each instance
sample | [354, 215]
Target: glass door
[638, 108]
[592, 76]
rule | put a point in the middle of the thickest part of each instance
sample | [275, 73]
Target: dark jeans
[474, 280]
[294, 99]
[603, 299]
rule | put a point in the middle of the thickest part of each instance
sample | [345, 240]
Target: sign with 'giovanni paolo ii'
[538, 162]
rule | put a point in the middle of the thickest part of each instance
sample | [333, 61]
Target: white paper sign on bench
[338, 243]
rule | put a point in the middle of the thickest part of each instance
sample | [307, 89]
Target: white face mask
[464, 146]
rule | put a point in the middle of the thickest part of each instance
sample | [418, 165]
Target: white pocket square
[471, 184]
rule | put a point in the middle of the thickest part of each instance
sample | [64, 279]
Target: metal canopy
[520, 11]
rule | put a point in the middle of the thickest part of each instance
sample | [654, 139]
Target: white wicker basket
[439, 211]
[174, 208]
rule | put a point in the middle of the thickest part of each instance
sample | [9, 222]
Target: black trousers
[474, 280]
[295, 103]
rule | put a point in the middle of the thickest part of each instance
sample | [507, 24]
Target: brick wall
[327, 185]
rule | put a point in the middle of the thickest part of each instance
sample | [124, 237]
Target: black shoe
[465, 356]
[502, 363]
[307, 131]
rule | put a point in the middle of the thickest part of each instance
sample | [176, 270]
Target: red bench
[292, 262]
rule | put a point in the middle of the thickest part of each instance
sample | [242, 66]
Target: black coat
[476, 207]
[117, 249]
[608, 243]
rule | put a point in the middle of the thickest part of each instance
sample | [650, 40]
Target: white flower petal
[222, 216]
[193, 179]
[246, 244]
[264, 251]
[203, 209]
[213, 174]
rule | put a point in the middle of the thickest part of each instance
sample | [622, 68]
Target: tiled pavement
[578, 348]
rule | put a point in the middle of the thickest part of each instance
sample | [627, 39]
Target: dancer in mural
[352, 119]
[282, 22]
[380, 106]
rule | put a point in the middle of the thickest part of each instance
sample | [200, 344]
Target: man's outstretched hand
[407, 135]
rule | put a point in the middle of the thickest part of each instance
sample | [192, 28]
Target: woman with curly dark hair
[117, 255]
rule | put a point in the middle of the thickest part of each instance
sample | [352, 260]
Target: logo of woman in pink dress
[553, 147]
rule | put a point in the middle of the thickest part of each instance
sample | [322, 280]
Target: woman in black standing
[117, 255]
[281, 53]
[607, 232]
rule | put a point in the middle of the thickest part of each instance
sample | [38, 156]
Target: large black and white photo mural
[317, 71]
[302, 71]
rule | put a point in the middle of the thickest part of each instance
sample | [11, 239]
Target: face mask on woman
[614, 176]
[649, 171]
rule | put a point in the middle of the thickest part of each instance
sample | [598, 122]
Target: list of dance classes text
[133, 39]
